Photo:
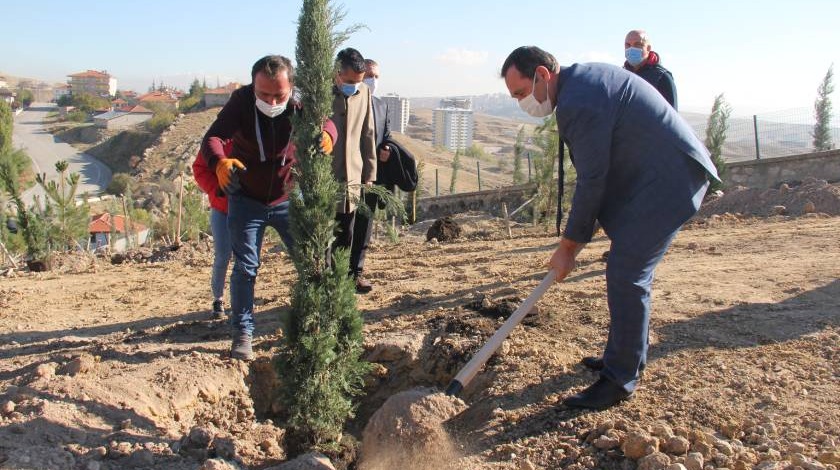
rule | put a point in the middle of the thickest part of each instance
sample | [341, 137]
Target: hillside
[117, 367]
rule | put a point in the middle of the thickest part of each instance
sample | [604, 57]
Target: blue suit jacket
[641, 170]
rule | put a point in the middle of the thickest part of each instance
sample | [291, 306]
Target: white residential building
[453, 124]
[399, 110]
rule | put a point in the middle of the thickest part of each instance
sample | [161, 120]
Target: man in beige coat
[354, 153]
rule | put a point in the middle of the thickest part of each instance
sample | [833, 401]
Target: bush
[77, 116]
[160, 121]
[121, 183]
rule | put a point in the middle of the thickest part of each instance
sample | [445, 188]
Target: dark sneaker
[218, 310]
[241, 347]
[363, 286]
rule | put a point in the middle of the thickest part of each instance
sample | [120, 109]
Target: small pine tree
[822, 113]
[456, 163]
[548, 143]
[518, 151]
[30, 223]
[67, 222]
[716, 129]
[321, 362]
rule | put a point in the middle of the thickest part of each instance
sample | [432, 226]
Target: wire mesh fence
[771, 134]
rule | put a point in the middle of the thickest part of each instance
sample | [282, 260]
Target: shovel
[466, 374]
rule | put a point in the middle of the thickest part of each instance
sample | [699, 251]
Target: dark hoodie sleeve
[667, 88]
[222, 130]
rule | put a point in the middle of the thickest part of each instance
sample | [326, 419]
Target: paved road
[45, 150]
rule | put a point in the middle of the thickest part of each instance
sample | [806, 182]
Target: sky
[764, 55]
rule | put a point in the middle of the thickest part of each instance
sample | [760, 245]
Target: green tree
[87, 103]
[6, 127]
[121, 183]
[548, 143]
[30, 223]
[518, 151]
[716, 129]
[67, 222]
[25, 97]
[822, 112]
[456, 163]
[321, 363]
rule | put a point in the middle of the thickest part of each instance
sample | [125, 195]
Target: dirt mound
[190, 254]
[444, 230]
[407, 432]
[810, 196]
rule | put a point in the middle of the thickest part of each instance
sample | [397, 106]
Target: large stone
[81, 364]
[694, 461]
[606, 442]
[654, 461]
[637, 444]
[676, 445]
[218, 464]
[830, 458]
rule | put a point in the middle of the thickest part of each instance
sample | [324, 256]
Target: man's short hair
[643, 36]
[371, 63]
[350, 58]
[526, 59]
[271, 65]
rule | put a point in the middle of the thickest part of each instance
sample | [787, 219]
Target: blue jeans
[221, 252]
[247, 220]
[630, 269]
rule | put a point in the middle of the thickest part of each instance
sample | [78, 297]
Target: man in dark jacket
[256, 175]
[646, 63]
[641, 172]
[364, 221]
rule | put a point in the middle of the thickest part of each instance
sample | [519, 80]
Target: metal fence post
[529, 167]
[478, 172]
[755, 129]
[437, 192]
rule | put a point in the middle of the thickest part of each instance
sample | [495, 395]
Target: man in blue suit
[641, 173]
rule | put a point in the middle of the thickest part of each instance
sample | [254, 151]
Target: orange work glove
[226, 169]
[326, 142]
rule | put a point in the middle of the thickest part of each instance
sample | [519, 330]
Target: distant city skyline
[764, 57]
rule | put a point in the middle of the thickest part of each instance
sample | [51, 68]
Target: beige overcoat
[354, 152]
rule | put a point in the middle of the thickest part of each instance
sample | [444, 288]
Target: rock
[46, 370]
[311, 461]
[637, 444]
[703, 448]
[527, 465]
[799, 460]
[797, 448]
[809, 208]
[81, 364]
[779, 210]
[93, 465]
[200, 437]
[141, 458]
[654, 461]
[830, 458]
[724, 447]
[662, 431]
[676, 466]
[8, 407]
[694, 461]
[270, 447]
[784, 188]
[218, 464]
[676, 445]
[606, 442]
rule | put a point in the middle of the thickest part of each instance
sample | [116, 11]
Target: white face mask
[371, 83]
[530, 105]
[269, 110]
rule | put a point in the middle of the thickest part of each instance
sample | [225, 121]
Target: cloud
[454, 56]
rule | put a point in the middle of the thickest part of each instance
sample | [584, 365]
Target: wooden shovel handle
[466, 374]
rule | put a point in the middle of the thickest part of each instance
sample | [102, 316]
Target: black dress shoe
[592, 362]
[597, 363]
[598, 396]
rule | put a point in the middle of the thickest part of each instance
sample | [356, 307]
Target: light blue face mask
[349, 89]
[634, 55]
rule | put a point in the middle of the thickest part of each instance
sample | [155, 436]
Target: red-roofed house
[100, 232]
[159, 98]
[219, 96]
[93, 82]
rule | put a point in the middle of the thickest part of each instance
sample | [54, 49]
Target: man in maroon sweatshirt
[257, 177]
